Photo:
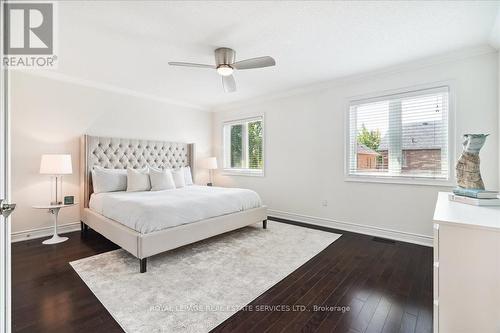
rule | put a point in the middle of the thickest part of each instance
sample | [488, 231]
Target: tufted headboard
[119, 153]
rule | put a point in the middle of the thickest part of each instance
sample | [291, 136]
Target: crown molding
[109, 87]
[335, 82]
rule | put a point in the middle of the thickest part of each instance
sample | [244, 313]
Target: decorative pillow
[188, 178]
[138, 180]
[108, 180]
[161, 179]
[179, 178]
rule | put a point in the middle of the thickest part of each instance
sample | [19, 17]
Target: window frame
[228, 171]
[392, 179]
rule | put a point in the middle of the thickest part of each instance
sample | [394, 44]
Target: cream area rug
[197, 287]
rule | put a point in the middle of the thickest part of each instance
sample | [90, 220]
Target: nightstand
[54, 210]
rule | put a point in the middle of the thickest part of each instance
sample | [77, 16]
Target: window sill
[400, 180]
[242, 172]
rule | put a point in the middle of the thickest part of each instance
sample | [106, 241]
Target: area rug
[197, 287]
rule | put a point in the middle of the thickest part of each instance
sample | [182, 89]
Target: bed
[150, 222]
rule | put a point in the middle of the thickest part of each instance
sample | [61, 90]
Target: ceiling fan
[225, 65]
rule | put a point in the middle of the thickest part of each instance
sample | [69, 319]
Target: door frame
[5, 252]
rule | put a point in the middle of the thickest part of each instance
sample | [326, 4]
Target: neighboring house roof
[362, 149]
[418, 135]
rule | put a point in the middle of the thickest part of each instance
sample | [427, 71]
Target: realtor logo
[29, 34]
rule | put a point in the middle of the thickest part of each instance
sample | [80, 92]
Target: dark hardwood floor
[48, 295]
[385, 286]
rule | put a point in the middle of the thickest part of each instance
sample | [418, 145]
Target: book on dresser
[475, 193]
[473, 201]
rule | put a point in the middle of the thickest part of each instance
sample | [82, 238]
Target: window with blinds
[244, 146]
[403, 135]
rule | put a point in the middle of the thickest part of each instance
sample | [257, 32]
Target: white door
[5, 207]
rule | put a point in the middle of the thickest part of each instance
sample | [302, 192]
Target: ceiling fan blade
[189, 64]
[229, 83]
[254, 63]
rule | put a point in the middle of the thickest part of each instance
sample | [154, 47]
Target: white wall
[49, 116]
[305, 147]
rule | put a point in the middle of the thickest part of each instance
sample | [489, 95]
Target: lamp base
[55, 239]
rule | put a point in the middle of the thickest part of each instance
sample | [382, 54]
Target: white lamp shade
[56, 164]
[209, 163]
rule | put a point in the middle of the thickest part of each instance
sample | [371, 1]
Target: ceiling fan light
[225, 70]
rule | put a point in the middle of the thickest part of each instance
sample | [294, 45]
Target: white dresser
[466, 268]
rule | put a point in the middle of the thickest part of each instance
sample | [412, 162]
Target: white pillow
[179, 178]
[188, 178]
[108, 180]
[138, 180]
[161, 179]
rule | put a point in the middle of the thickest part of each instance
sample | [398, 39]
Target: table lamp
[56, 165]
[209, 163]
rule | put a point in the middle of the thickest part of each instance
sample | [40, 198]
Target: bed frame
[119, 153]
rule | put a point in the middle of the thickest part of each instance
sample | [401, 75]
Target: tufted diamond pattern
[119, 153]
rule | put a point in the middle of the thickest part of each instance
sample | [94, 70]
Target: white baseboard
[19, 236]
[321, 221]
[354, 227]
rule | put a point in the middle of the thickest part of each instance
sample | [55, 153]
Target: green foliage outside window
[236, 146]
[371, 139]
[255, 145]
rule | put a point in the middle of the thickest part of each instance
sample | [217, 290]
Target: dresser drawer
[436, 242]
[436, 277]
[435, 319]
[467, 288]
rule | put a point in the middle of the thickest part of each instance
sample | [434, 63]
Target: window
[403, 136]
[244, 146]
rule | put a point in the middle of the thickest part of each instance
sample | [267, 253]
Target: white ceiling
[128, 44]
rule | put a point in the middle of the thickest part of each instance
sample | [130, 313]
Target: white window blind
[244, 146]
[402, 135]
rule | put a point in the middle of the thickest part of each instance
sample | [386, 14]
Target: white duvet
[151, 211]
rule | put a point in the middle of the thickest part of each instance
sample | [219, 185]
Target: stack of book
[475, 197]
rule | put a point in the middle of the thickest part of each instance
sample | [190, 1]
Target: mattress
[151, 211]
